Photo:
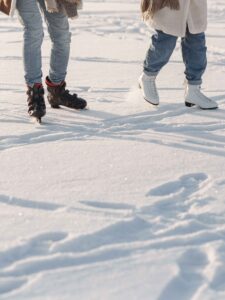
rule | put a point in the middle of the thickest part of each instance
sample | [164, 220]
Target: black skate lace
[67, 92]
[36, 97]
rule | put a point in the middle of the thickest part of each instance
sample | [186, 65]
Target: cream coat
[13, 7]
[192, 13]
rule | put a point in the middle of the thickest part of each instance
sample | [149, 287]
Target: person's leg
[58, 28]
[159, 53]
[194, 57]
[31, 20]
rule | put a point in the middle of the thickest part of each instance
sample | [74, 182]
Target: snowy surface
[121, 201]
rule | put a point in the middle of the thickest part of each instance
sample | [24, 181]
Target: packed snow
[123, 200]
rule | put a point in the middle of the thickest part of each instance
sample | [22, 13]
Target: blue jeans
[193, 51]
[58, 28]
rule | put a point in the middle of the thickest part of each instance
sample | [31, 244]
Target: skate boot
[58, 95]
[149, 89]
[36, 102]
[194, 96]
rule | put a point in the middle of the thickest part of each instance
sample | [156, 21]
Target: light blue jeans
[193, 51]
[58, 28]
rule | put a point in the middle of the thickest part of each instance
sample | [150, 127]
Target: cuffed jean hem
[194, 82]
[31, 84]
[150, 73]
[58, 81]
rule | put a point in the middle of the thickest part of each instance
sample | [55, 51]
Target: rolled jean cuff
[31, 84]
[56, 82]
[150, 73]
[194, 82]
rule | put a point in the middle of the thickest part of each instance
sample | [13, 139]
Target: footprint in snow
[37, 246]
[218, 280]
[176, 197]
[185, 186]
[189, 278]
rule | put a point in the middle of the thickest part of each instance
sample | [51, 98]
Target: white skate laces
[149, 89]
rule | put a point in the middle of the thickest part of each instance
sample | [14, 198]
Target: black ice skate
[58, 95]
[36, 102]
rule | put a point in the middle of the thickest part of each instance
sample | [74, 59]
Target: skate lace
[69, 98]
[153, 87]
[67, 93]
[36, 97]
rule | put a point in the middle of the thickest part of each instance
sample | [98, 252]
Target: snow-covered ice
[123, 200]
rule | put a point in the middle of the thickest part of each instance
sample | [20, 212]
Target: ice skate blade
[210, 108]
[188, 104]
[76, 108]
[55, 106]
[36, 120]
[155, 104]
